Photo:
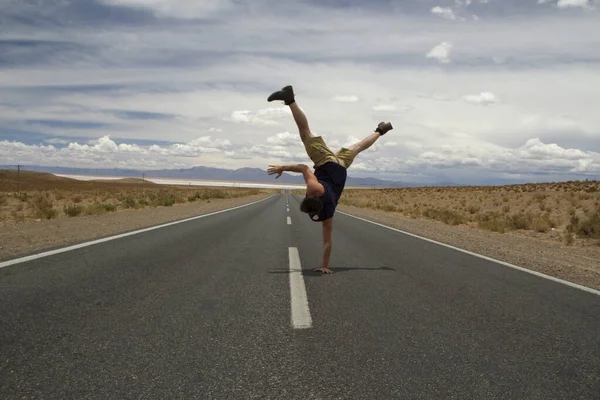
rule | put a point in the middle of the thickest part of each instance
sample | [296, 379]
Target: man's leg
[365, 143]
[301, 121]
[371, 139]
[286, 95]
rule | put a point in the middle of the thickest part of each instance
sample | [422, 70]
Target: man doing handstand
[325, 186]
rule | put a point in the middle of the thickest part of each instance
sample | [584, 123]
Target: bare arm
[327, 242]
[314, 188]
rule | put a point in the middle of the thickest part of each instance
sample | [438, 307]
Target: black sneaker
[383, 127]
[286, 95]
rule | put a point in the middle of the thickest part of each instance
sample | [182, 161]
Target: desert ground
[566, 210]
[35, 196]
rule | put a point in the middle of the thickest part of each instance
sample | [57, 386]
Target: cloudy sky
[477, 90]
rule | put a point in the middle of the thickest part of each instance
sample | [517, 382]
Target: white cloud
[573, 3]
[534, 155]
[537, 150]
[346, 98]
[106, 153]
[285, 139]
[274, 151]
[441, 52]
[265, 116]
[483, 98]
[444, 12]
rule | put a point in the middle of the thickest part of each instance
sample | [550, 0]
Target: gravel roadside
[578, 264]
[33, 237]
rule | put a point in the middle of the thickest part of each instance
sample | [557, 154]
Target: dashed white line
[301, 318]
[289, 220]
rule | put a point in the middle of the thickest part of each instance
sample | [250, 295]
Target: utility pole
[18, 179]
[144, 176]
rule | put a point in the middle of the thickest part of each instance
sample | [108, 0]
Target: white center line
[289, 219]
[301, 318]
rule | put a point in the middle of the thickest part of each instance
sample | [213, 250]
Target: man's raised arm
[312, 183]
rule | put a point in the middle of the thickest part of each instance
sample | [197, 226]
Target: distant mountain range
[208, 173]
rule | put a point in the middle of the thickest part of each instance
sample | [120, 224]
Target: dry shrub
[493, 221]
[109, 207]
[42, 205]
[496, 222]
[588, 228]
[73, 210]
[541, 223]
[473, 209]
[209, 194]
[128, 201]
[389, 208]
[163, 198]
[94, 209]
[520, 221]
[24, 197]
[447, 216]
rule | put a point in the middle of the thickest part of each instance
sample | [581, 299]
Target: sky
[478, 91]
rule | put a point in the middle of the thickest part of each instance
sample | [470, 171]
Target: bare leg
[301, 121]
[365, 143]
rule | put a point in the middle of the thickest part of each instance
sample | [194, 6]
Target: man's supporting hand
[327, 244]
[323, 270]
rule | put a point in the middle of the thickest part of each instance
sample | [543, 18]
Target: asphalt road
[202, 310]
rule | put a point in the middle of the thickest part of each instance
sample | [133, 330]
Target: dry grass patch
[45, 196]
[564, 209]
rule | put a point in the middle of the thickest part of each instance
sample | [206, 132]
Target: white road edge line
[122, 235]
[552, 278]
[289, 220]
[301, 318]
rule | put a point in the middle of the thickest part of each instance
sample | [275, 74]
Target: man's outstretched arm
[312, 183]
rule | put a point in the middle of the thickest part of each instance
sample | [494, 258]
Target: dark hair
[311, 205]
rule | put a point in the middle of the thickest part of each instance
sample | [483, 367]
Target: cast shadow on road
[310, 272]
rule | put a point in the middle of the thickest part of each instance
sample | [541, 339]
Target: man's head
[311, 205]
